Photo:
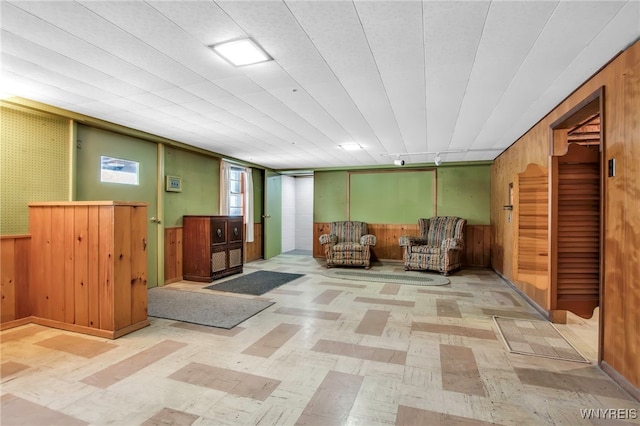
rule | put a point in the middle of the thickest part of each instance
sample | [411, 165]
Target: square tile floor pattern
[328, 352]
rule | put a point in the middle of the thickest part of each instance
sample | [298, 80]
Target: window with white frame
[236, 194]
[236, 191]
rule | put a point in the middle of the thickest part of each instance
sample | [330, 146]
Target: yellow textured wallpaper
[34, 165]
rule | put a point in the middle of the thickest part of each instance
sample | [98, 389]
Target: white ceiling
[393, 76]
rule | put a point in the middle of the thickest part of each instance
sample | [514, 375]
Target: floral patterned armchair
[439, 247]
[348, 244]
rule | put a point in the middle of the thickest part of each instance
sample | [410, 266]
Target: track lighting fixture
[437, 159]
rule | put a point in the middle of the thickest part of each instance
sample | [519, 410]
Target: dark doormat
[255, 283]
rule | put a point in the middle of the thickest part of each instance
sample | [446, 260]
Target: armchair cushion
[348, 247]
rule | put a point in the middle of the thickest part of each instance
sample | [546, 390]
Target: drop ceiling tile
[452, 33]
[34, 53]
[362, 70]
[177, 95]
[510, 31]
[308, 109]
[583, 20]
[204, 20]
[33, 28]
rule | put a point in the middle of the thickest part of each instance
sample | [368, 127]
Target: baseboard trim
[525, 296]
[620, 380]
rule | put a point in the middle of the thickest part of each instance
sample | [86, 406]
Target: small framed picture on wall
[173, 184]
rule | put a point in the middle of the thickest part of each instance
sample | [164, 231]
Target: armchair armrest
[410, 240]
[453, 244]
[368, 240]
[328, 238]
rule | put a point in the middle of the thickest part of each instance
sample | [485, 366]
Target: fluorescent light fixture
[351, 146]
[241, 52]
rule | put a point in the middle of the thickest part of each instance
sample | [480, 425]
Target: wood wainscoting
[173, 270]
[15, 252]
[477, 242]
[172, 254]
[253, 250]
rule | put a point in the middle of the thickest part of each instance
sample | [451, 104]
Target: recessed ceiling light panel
[351, 146]
[241, 52]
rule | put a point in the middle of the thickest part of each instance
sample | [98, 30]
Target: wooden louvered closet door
[578, 236]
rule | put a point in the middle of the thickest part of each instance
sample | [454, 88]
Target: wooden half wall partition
[477, 242]
[83, 268]
[15, 252]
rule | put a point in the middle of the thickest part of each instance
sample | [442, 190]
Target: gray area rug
[404, 277]
[537, 338]
[209, 309]
[255, 283]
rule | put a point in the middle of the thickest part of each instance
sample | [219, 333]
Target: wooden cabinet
[212, 247]
[88, 268]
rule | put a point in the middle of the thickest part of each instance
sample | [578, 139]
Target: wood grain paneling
[15, 253]
[620, 118]
[477, 242]
[531, 222]
[253, 250]
[88, 266]
[172, 255]
[621, 298]
[575, 284]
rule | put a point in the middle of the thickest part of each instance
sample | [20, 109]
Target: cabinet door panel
[218, 231]
[235, 230]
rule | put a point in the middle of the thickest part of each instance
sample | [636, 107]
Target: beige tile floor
[327, 352]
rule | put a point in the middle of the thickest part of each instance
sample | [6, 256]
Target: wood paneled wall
[253, 250]
[620, 295]
[531, 221]
[15, 252]
[477, 242]
[173, 251]
[172, 255]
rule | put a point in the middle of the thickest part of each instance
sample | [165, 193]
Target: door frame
[558, 146]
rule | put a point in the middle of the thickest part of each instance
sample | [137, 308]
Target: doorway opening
[576, 186]
[297, 214]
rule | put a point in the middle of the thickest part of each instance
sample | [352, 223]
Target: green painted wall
[329, 196]
[465, 191]
[462, 190]
[391, 196]
[34, 165]
[200, 186]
